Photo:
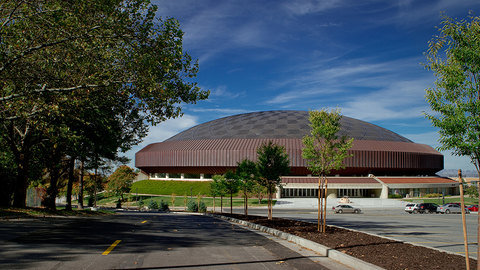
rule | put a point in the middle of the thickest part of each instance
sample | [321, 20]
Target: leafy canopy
[273, 162]
[120, 181]
[323, 150]
[454, 57]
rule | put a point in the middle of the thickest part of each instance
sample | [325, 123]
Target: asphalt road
[145, 241]
[441, 231]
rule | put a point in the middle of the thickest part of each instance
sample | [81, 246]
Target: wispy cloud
[220, 110]
[302, 7]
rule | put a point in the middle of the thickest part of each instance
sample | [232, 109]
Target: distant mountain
[454, 173]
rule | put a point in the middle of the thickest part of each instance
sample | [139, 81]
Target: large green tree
[75, 53]
[272, 163]
[454, 57]
[325, 152]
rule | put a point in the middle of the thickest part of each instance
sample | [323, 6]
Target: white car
[412, 208]
[343, 208]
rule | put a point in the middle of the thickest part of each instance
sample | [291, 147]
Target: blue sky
[363, 56]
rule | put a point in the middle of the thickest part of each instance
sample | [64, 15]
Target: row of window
[312, 192]
[180, 176]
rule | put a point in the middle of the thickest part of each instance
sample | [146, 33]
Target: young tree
[273, 163]
[185, 200]
[247, 174]
[259, 191]
[230, 184]
[456, 95]
[174, 197]
[120, 181]
[324, 152]
[215, 188]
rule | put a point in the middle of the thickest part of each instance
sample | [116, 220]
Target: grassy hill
[180, 188]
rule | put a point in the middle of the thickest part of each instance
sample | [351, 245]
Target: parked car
[426, 208]
[451, 208]
[473, 208]
[411, 208]
[344, 208]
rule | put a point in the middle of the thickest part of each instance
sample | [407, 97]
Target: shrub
[140, 202]
[394, 196]
[152, 204]
[91, 200]
[192, 206]
[432, 195]
[202, 208]
[163, 205]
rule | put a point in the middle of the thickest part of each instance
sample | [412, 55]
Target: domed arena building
[383, 162]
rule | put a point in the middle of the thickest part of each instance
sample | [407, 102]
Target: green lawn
[180, 188]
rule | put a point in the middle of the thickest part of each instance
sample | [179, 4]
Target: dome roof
[280, 124]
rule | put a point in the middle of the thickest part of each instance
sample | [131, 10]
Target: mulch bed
[379, 251]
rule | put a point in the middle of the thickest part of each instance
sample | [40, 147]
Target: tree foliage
[68, 66]
[324, 151]
[120, 181]
[454, 57]
[230, 184]
[247, 173]
[272, 163]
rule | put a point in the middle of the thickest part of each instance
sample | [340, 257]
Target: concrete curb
[321, 249]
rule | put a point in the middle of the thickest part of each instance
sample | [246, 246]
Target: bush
[152, 204]
[432, 195]
[140, 202]
[192, 206]
[202, 208]
[91, 200]
[394, 196]
[163, 205]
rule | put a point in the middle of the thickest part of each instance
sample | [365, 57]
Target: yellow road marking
[144, 221]
[111, 247]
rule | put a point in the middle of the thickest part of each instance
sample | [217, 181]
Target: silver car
[343, 208]
[451, 208]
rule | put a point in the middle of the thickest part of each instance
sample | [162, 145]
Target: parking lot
[441, 231]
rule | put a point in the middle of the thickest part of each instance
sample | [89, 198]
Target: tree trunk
[319, 203]
[54, 175]
[245, 201]
[80, 187]
[325, 207]
[21, 185]
[270, 212]
[462, 205]
[71, 170]
[231, 203]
